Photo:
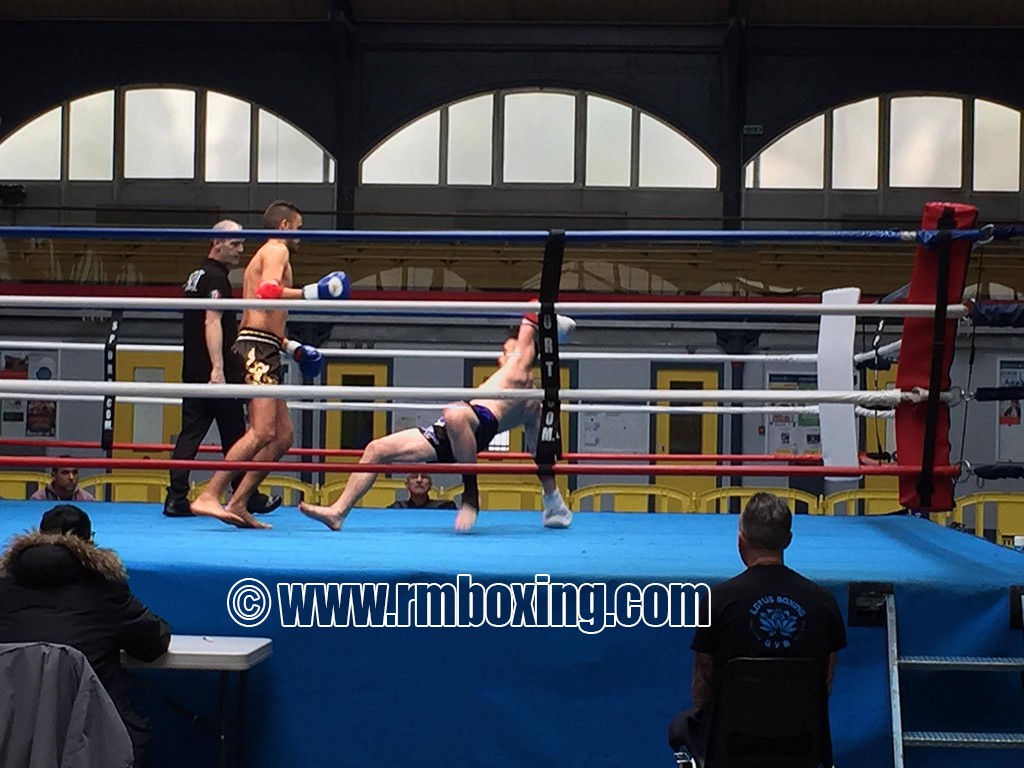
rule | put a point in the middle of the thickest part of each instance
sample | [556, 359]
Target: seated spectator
[62, 487]
[418, 485]
[768, 610]
[57, 586]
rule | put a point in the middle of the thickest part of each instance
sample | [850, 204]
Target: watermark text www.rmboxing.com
[589, 607]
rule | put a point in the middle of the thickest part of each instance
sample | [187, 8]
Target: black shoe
[177, 506]
[261, 504]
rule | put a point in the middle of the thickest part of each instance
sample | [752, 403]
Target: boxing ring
[601, 691]
[507, 696]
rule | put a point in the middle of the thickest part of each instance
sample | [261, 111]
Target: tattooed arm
[703, 679]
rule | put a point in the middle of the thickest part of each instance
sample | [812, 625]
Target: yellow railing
[712, 501]
[874, 502]
[1009, 512]
[381, 495]
[499, 495]
[631, 497]
[21, 485]
[144, 487]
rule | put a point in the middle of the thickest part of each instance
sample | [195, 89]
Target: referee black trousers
[197, 415]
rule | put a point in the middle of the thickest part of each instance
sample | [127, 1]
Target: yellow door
[512, 440]
[685, 432]
[354, 429]
[880, 436]
[145, 422]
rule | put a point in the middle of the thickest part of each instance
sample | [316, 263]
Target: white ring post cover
[835, 372]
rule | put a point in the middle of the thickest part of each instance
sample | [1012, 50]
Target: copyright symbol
[248, 602]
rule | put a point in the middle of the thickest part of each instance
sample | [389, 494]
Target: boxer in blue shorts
[462, 431]
[437, 433]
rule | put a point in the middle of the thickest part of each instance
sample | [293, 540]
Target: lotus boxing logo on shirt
[777, 621]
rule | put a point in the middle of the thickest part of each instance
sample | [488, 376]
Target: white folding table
[220, 654]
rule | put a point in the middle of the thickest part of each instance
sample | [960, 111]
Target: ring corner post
[838, 421]
[926, 357]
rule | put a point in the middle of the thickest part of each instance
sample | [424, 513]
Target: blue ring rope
[926, 237]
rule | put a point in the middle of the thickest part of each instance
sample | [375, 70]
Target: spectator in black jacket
[57, 586]
[418, 484]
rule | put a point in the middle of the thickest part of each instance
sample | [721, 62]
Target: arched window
[897, 141]
[539, 137]
[172, 133]
[33, 153]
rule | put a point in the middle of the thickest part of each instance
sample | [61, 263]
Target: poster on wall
[793, 433]
[1009, 432]
[27, 418]
[606, 432]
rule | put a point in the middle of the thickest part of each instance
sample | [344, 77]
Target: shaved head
[227, 225]
[227, 251]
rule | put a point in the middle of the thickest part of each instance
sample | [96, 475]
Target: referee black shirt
[210, 281]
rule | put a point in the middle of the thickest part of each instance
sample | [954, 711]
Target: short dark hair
[56, 467]
[67, 518]
[278, 211]
[766, 522]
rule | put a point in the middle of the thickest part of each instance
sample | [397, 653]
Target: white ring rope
[590, 408]
[395, 307]
[462, 354]
[54, 346]
[564, 354]
[26, 388]
[883, 352]
[301, 405]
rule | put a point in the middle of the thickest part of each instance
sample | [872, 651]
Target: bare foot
[466, 519]
[212, 508]
[244, 517]
[329, 516]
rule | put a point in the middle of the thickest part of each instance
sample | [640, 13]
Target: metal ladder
[945, 739]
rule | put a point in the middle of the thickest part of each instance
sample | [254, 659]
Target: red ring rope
[483, 469]
[356, 452]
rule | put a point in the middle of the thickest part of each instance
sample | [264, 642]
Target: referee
[207, 358]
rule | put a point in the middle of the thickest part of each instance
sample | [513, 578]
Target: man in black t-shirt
[208, 359]
[768, 610]
[418, 484]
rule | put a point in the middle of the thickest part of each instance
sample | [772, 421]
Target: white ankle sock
[552, 500]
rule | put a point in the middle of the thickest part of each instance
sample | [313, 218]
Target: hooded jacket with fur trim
[63, 589]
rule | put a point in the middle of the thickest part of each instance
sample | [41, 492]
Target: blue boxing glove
[310, 361]
[566, 325]
[332, 286]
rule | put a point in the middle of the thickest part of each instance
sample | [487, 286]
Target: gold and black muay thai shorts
[261, 356]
